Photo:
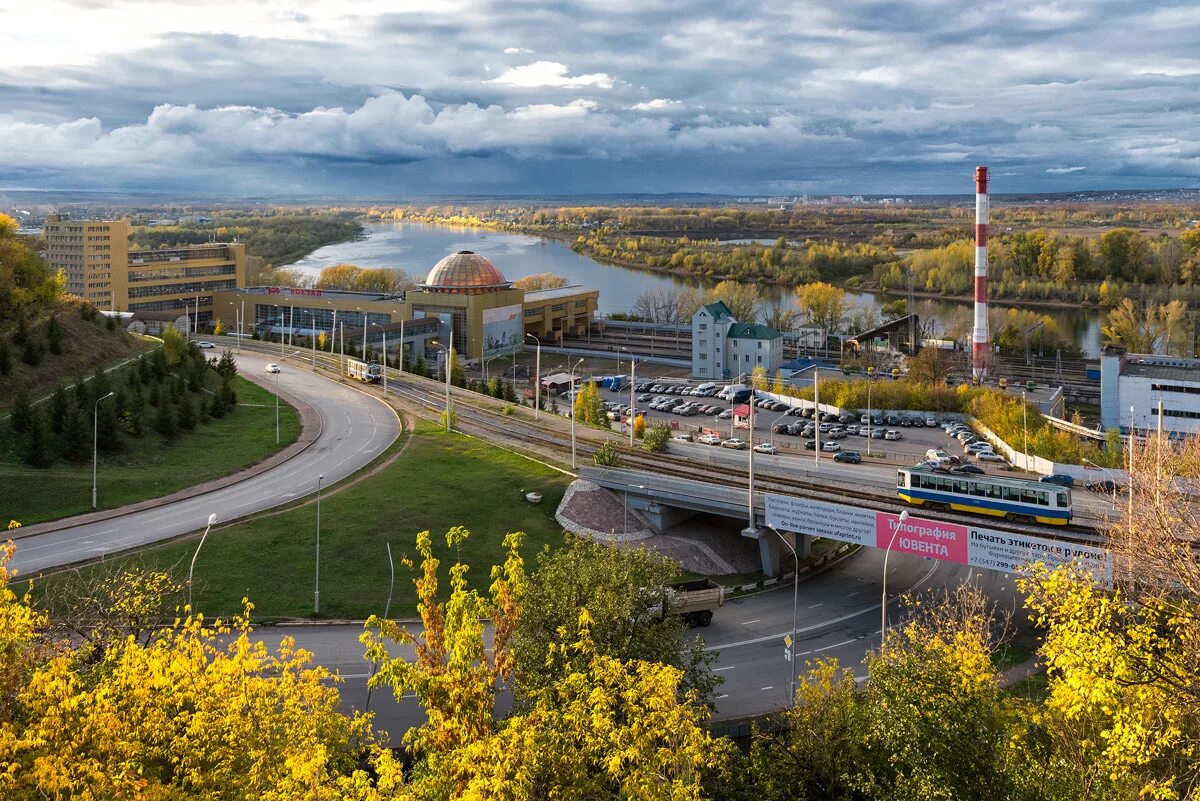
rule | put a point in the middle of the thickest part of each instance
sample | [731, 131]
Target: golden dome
[465, 272]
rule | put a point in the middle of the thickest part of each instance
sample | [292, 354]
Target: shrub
[606, 455]
[657, 437]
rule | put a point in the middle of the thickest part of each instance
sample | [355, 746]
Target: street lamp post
[773, 423]
[750, 468]
[401, 346]
[632, 381]
[1025, 427]
[312, 335]
[211, 519]
[537, 379]
[1129, 488]
[448, 352]
[883, 603]
[795, 609]
[95, 441]
[574, 408]
[364, 314]
[486, 361]
[1110, 478]
[870, 386]
[317, 584]
[276, 408]
[383, 333]
[817, 419]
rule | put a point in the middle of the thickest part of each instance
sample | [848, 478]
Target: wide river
[416, 247]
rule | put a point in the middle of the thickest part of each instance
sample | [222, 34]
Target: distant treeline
[271, 240]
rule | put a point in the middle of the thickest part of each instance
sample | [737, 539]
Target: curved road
[838, 617]
[355, 428]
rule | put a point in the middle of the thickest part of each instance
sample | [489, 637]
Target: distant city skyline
[371, 98]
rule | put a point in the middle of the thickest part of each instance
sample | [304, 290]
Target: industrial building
[724, 348]
[100, 267]
[1132, 384]
[465, 294]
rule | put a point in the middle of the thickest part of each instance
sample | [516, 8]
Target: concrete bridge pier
[660, 517]
[771, 549]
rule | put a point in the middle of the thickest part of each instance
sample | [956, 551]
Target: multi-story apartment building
[100, 267]
[92, 254]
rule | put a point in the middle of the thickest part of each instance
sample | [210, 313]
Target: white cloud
[511, 51]
[547, 111]
[551, 74]
[658, 104]
[1064, 170]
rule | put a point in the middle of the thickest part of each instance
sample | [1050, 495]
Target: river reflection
[416, 247]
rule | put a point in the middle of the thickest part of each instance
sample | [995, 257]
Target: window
[900, 478]
[704, 343]
[759, 344]
[703, 326]
[760, 359]
[703, 357]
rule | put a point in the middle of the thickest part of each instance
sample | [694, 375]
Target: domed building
[466, 273]
[465, 295]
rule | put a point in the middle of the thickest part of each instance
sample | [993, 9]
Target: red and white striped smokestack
[980, 345]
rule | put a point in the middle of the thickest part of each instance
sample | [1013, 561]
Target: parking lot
[910, 443]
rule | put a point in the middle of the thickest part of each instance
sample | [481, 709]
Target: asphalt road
[355, 428]
[839, 616]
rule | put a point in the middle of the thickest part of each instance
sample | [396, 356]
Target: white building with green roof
[723, 348]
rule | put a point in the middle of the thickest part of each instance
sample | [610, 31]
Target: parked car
[205, 345]
[643, 398]
[810, 444]
[892, 434]
[972, 469]
[272, 368]
[1106, 486]
[682, 438]
[725, 415]
[852, 428]
[765, 447]
[877, 433]
[989, 456]
[963, 436]
[735, 443]
[779, 428]
[931, 422]
[1059, 479]
[795, 411]
[846, 417]
[851, 457]
[831, 447]
[978, 446]
[709, 439]
[795, 429]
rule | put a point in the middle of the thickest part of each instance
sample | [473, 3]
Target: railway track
[472, 416]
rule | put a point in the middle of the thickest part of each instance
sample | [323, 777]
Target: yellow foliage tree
[219, 328]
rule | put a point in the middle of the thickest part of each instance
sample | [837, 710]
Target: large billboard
[948, 542]
[501, 330]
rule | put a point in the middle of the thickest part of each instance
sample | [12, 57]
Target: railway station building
[465, 296]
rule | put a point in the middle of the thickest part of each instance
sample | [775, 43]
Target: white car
[978, 447]
[735, 443]
[272, 368]
[765, 447]
[893, 434]
[205, 345]
[831, 447]
[709, 439]
[989, 456]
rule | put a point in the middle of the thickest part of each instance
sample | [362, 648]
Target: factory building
[100, 267]
[465, 296]
[1138, 381]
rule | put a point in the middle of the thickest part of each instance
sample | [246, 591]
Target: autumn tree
[174, 345]
[823, 304]
[351, 277]
[623, 591]
[540, 281]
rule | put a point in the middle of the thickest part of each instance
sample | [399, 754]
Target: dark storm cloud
[630, 95]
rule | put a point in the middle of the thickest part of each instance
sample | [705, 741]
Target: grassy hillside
[84, 339]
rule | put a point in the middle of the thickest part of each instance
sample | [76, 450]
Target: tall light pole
[1129, 488]
[312, 335]
[1111, 481]
[537, 379]
[280, 329]
[632, 381]
[1025, 427]
[211, 519]
[574, 409]
[817, 419]
[795, 609]
[750, 467]
[276, 408]
[870, 385]
[486, 361]
[401, 347]
[95, 442]
[883, 604]
[242, 326]
[317, 585]
[448, 352]
[364, 314]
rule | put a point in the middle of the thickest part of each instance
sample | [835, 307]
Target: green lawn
[149, 467]
[441, 480]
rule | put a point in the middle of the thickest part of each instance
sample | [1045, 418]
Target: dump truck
[694, 601]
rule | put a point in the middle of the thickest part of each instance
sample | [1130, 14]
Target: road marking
[827, 647]
[748, 622]
[769, 687]
[719, 697]
[814, 606]
[851, 595]
[718, 670]
[110, 531]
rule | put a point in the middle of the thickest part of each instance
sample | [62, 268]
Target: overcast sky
[398, 97]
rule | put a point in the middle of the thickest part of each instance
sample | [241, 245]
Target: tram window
[1011, 494]
[960, 487]
[900, 478]
[1028, 496]
[978, 490]
[944, 485]
[995, 492]
[1063, 503]
[1043, 499]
